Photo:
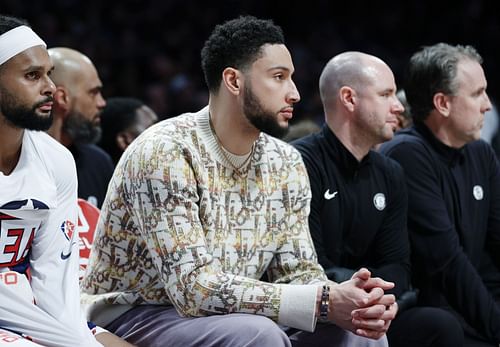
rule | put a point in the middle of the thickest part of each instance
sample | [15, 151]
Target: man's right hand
[360, 305]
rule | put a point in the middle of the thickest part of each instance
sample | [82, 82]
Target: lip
[393, 124]
[46, 107]
[287, 112]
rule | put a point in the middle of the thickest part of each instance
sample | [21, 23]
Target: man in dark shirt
[122, 120]
[359, 199]
[78, 103]
[453, 185]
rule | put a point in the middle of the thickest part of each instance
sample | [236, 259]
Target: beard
[262, 119]
[23, 116]
[80, 129]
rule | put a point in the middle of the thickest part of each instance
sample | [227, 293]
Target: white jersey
[38, 214]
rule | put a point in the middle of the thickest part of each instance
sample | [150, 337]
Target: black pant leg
[425, 327]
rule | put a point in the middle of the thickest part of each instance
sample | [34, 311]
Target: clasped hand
[360, 305]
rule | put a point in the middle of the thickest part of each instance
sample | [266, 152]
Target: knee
[440, 321]
[358, 341]
[256, 331]
[427, 326]
[446, 328]
[382, 342]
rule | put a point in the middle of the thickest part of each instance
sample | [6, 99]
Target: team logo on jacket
[477, 191]
[68, 228]
[379, 201]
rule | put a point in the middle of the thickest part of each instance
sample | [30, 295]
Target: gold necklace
[240, 170]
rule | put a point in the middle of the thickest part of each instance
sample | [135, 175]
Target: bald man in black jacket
[359, 199]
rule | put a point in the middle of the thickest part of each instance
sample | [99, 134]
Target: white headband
[17, 40]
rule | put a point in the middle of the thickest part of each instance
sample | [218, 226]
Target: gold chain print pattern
[178, 227]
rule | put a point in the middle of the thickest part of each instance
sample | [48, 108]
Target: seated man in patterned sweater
[202, 205]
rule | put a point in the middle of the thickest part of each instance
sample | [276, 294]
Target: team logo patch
[478, 193]
[379, 201]
[68, 228]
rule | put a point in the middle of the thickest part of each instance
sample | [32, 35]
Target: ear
[62, 99]
[348, 98]
[232, 80]
[442, 103]
[123, 140]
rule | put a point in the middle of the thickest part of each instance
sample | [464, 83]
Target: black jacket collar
[449, 155]
[346, 162]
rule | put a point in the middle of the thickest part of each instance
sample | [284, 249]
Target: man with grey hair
[453, 181]
[359, 200]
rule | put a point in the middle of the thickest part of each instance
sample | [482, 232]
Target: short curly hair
[236, 43]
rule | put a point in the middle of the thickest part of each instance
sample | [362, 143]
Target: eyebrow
[480, 90]
[96, 89]
[279, 67]
[388, 90]
[39, 67]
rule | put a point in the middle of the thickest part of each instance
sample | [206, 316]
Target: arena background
[151, 48]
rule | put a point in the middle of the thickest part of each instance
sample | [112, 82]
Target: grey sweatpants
[161, 326]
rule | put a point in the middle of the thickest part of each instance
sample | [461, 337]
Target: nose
[101, 102]
[49, 88]
[397, 107]
[487, 105]
[293, 95]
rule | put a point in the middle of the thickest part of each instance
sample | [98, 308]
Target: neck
[10, 147]
[56, 131]
[231, 126]
[352, 139]
[437, 125]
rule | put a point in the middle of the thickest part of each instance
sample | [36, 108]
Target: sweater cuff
[298, 306]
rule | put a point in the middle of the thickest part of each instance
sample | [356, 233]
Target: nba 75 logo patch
[68, 229]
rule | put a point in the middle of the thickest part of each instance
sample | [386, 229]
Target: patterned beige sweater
[179, 227]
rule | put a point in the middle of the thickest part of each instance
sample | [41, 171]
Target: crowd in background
[149, 52]
[149, 49]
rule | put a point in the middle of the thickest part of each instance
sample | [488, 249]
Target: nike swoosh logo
[328, 195]
[66, 256]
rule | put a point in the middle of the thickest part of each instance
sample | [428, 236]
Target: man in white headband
[39, 289]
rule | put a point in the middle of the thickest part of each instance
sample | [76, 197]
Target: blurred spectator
[136, 52]
[300, 129]
[404, 118]
[122, 120]
[490, 125]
